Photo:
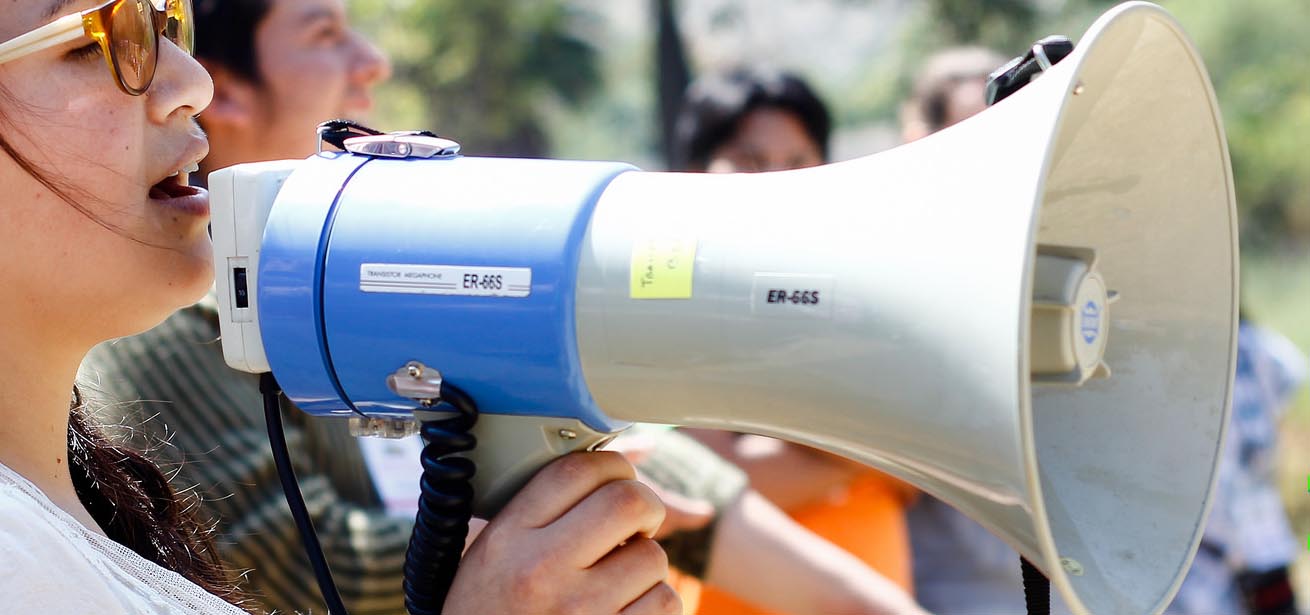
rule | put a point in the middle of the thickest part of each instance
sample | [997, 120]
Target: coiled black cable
[445, 504]
[277, 440]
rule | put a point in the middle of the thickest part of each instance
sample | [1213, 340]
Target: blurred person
[1248, 546]
[752, 553]
[104, 238]
[279, 68]
[752, 120]
[949, 88]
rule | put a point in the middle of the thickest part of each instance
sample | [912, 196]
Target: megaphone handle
[512, 448]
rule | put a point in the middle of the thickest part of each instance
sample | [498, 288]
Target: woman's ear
[235, 101]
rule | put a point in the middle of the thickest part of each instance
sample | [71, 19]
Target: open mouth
[174, 187]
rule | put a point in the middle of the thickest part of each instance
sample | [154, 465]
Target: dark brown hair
[135, 505]
[225, 34]
[714, 106]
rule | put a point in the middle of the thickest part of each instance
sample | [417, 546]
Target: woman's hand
[576, 539]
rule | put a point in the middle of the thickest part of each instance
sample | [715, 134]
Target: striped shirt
[204, 422]
[172, 395]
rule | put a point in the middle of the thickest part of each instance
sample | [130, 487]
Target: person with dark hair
[750, 120]
[760, 119]
[87, 526]
[280, 67]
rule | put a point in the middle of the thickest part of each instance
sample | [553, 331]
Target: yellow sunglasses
[127, 31]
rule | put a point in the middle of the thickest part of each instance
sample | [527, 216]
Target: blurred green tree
[1256, 52]
[503, 75]
[479, 71]
[987, 21]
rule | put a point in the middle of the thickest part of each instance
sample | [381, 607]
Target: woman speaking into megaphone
[102, 238]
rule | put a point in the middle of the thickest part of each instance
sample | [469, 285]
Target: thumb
[476, 526]
[681, 513]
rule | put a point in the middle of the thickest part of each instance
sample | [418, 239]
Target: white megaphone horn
[1030, 315]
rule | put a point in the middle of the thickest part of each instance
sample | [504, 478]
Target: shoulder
[24, 521]
[44, 569]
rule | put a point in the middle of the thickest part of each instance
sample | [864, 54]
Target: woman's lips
[176, 194]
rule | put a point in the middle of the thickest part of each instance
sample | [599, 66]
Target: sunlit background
[581, 79]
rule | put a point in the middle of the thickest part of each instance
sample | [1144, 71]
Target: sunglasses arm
[58, 32]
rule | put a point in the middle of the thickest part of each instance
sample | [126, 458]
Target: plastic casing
[332, 344]
[242, 197]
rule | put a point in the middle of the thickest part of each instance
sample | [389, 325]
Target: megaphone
[1030, 315]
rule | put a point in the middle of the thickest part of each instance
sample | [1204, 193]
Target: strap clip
[364, 141]
[1020, 71]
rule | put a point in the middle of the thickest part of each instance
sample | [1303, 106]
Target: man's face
[314, 68]
[767, 139]
[967, 99]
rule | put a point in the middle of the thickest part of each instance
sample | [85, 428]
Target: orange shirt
[867, 519]
[689, 588]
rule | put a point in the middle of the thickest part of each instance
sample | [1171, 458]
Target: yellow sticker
[662, 268]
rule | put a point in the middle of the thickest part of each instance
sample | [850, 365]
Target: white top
[50, 563]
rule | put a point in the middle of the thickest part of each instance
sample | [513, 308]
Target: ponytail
[134, 504]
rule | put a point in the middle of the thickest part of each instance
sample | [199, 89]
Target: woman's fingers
[573, 540]
[611, 515]
[660, 600]
[561, 485]
[628, 572]
[681, 513]
[476, 526]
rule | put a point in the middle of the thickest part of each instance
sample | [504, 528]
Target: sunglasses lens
[181, 28]
[134, 43]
